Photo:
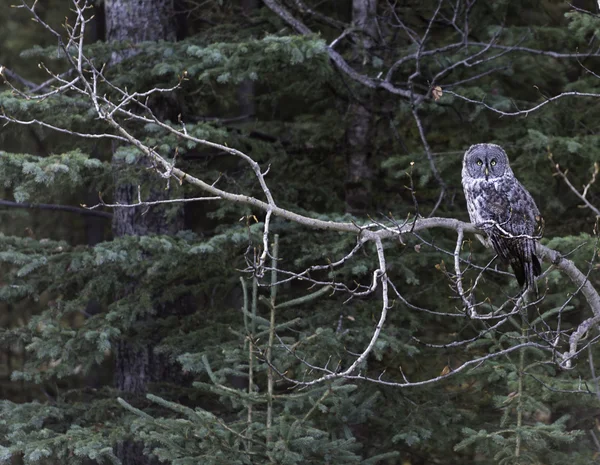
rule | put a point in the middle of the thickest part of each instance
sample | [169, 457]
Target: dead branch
[48, 206]
[582, 195]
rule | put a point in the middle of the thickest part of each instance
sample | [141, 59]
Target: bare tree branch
[527, 111]
[47, 206]
[434, 170]
[581, 195]
[339, 61]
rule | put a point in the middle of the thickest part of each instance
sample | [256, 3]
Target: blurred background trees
[134, 335]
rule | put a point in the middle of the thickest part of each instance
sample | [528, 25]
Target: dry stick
[250, 358]
[459, 283]
[429, 154]
[520, 391]
[422, 41]
[297, 423]
[271, 337]
[52, 127]
[593, 372]
[471, 363]
[142, 203]
[595, 439]
[48, 206]
[339, 61]
[251, 348]
[525, 112]
[582, 196]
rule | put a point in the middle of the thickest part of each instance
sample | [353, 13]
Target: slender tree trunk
[95, 227]
[137, 364]
[358, 172]
[246, 87]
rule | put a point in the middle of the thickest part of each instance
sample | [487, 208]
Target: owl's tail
[526, 265]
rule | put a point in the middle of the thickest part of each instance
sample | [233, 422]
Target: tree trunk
[358, 172]
[246, 87]
[137, 364]
[137, 21]
[140, 20]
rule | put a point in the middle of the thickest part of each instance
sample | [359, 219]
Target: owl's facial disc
[485, 161]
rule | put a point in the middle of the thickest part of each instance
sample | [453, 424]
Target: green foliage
[582, 25]
[32, 177]
[71, 306]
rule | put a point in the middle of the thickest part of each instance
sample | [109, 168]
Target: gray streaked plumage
[500, 205]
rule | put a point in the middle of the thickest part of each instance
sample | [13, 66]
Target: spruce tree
[176, 336]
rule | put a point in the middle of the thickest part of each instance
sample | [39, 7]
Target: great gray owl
[500, 205]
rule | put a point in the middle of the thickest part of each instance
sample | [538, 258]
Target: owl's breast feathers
[506, 212]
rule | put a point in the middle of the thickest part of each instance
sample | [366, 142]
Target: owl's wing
[506, 212]
[525, 215]
[522, 220]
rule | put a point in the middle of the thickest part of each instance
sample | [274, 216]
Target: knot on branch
[557, 259]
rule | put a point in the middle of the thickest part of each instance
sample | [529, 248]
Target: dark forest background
[140, 336]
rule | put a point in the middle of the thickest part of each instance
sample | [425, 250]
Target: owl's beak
[487, 172]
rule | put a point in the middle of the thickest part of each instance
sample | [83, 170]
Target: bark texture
[136, 366]
[358, 172]
[140, 20]
[136, 363]
[246, 87]
[136, 21]
[141, 221]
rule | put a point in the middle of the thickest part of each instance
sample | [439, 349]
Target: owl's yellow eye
[479, 162]
[493, 163]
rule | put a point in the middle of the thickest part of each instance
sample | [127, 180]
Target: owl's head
[486, 161]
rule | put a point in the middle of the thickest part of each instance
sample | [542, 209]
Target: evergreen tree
[218, 330]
